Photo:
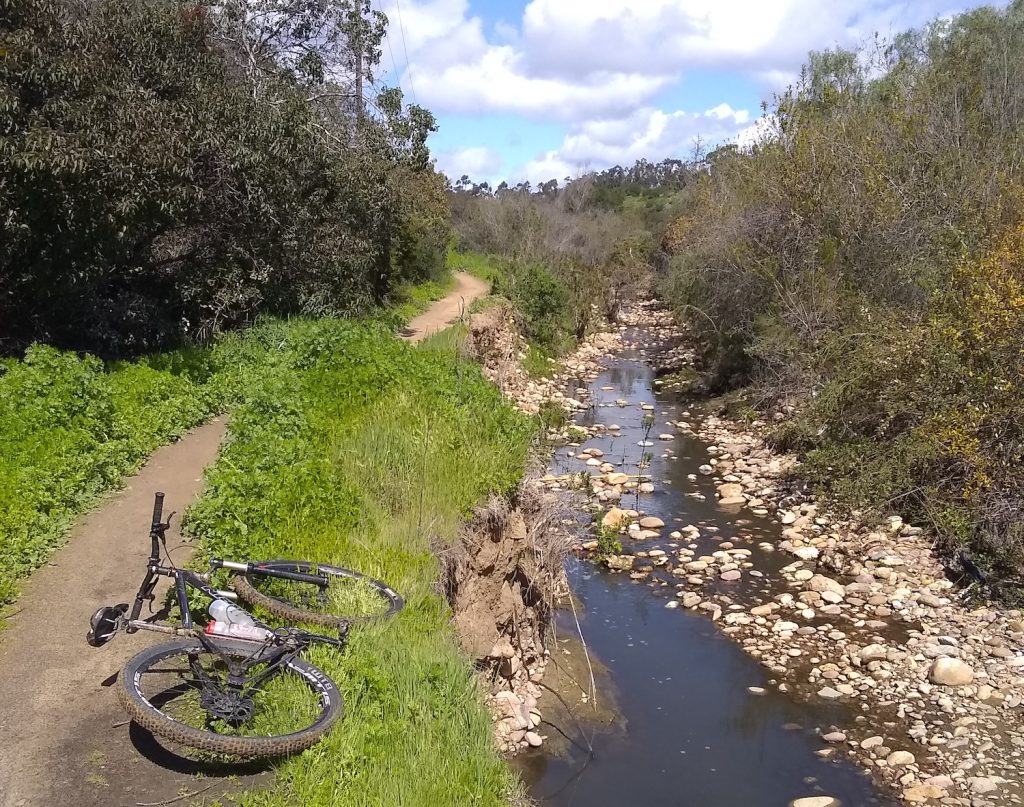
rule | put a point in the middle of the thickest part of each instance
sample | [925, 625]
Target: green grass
[362, 451]
[485, 267]
[72, 427]
[537, 363]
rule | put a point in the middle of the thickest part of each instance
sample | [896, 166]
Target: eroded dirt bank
[504, 578]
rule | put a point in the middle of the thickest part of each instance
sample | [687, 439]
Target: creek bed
[689, 731]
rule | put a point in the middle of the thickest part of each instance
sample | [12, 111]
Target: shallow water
[690, 733]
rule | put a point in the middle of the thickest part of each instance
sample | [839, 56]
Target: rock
[730, 490]
[732, 575]
[502, 649]
[617, 479]
[706, 470]
[982, 784]
[820, 583]
[834, 737]
[950, 672]
[782, 625]
[898, 759]
[614, 518]
[806, 552]
[621, 563]
[533, 738]
[829, 694]
[917, 794]
[691, 599]
[871, 742]
[651, 523]
[873, 652]
[816, 801]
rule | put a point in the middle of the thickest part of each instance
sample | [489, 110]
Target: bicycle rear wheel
[349, 596]
[179, 691]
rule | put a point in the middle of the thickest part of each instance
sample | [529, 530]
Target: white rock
[897, 759]
[950, 672]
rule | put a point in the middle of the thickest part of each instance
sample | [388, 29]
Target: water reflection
[697, 737]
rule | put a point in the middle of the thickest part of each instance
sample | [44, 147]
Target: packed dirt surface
[446, 310]
[63, 739]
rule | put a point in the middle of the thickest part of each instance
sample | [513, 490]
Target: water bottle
[227, 613]
[252, 633]
[229, 620]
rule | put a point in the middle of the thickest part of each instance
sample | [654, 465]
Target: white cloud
[476, 161]
[647, 133]
[597, 66]
[573, 59]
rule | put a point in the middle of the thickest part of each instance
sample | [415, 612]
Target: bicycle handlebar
[158, 510]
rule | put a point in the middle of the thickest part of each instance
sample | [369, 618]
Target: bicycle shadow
[166, 757]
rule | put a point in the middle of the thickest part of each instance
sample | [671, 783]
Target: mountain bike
[237, 686]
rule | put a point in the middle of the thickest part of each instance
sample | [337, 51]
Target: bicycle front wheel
[180, 691]
[348, 597]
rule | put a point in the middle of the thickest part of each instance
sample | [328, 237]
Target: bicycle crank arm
[141, 624]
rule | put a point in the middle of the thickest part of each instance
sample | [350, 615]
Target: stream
[688, 730]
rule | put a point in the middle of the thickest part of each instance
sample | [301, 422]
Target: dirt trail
[59, 742]
[445, 311]
[63, 737]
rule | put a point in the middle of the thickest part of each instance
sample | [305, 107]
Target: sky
[541, 89]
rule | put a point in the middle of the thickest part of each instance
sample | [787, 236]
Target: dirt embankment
[504, 579]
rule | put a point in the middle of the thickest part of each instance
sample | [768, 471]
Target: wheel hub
[230, 707]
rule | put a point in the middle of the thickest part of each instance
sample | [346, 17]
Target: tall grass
[72, 426]
[362, 451]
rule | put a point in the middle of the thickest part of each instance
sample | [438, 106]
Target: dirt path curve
[445, 311]
[63, 737]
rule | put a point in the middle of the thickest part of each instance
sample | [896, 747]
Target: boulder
[950, 672]
[820, 583]
[614, 518]
[898, 759]
[730, 490]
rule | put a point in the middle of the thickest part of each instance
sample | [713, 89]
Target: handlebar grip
[158, 509]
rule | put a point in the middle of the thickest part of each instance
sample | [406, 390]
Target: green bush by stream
[865, 264]
[359, 450]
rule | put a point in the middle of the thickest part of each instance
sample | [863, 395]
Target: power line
[408, 66]
[394, 64]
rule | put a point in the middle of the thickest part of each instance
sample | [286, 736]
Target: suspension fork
[145, 593]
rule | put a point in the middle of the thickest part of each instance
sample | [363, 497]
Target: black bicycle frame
[320, 580]
[183, 578]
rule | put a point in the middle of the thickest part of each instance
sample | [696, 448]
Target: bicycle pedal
[104, 624]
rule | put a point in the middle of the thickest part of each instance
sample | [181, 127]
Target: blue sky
[540, 89]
